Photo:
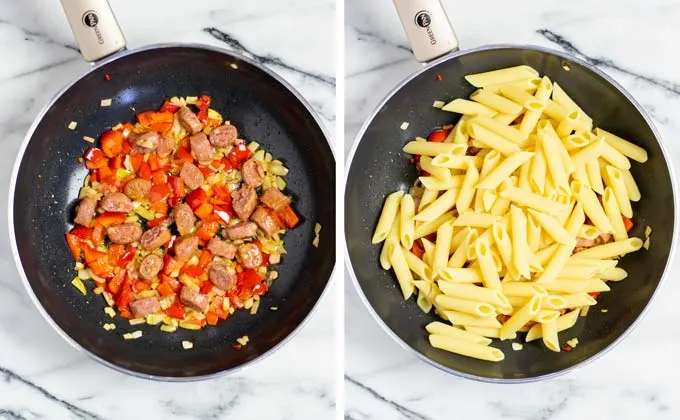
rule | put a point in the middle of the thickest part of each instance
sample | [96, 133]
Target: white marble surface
[43, 377]
[634, 42]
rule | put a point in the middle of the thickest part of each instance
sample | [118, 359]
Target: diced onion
[78, 284]
[438, 104]
[243, 340]
[133, 335]
[105, 102]
[72, 125]
[404, 125]
[110, 311]
[137, 321]
[109, 326]
[186, 345]
[88, 139]
[517, 346]
[189, 325]
[168, 328]
[155, 319]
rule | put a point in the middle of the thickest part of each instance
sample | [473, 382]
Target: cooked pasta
[524, 213]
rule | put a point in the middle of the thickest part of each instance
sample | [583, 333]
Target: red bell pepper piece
[176, 310]
[106, 175]
[164, 289]
[206, 287]
[112, 143]
[115, 252]
[92, 254]
[98, 235]
[157, 221]
[116, 162]
[260, 289]
[176, 185]
[136, 160]
[184, 154]
[288, 216]
[82, 232]
[109, 219]
[144, 171]
[153, 162]
[207, 230]
[169, 107]
[211, 318]
[438, 136]
[192, 270]
[116, 283]
[159, 192]
[247, 279]
[205, 258]
[239, 154]
[235, 301]
[127, 256]
[195, 198]
[169, 264]
[94, 154]
[125, 296]
[74, 245]
[627, 223]
[203, 103]
[148, 118]
[140, 286]
[204, 211]
[417, 250]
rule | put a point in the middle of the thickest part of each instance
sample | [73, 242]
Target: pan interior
[50, 176]
[380, 167]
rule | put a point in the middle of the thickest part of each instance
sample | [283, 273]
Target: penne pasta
[402, 271]
[550, 339]
[631, 185]
[461, 275]
[611, 209]
[521, 317]
[495, 102]
[518, 237]
[467, 190]
[487, 265]
[471, 307]
[612, 249]
[442, 329]
[442, 245]
[463, 106]
[553, 227]
[441, 205]
[387, 217]
[494, 178]
[625, 147]
[406, 222]
[476, 219]
[466, 348]
[595, 176]
[488, 138]
[503, 130]
[463, 319]
[564, 322]
[592, 207]
[501, 76]
[614, 179]
[428, 148]
[418, 266]
[427, 228]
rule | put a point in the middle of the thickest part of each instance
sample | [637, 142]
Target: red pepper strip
[92, 255]
[211, 318]
[100, 268]
[144, 171]
[140, 286]
[151, 117]
[176, 310]
[169, 107]
[206, 287]
[192, 270]
[205, 258]
[109, 219]
[112, 143]
[164, 289]
[98, 235]
[195, 198]
[235, 301]
[115, 252]
[94, 154]
[116, 283]
[184, 154]
[82, 232]
[438, 136]
[159, 177]
[204, 211]
[260, 289]
[203, 103]
[154, 165]
[169, 264]
[594, 295]
[207, 230]
[417, 250]
[159, 192]
[116, 162]
[74, 245]
[239, 154]
[136, 161]
[627, 223]
[157, 221]
[247, 279]
[176, 185]
[127, 256]
[106, 175]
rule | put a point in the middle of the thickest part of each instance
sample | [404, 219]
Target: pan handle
[95, 28]
[427, 28]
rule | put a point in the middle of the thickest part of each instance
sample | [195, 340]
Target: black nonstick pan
[47, 177]
[377, 166]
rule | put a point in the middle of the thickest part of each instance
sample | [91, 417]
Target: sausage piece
[221, 277]
[222, 248]
[243, 230]
[275, 199]
[155, 237]
[143, 143]
[250, 255]
[150, 266]
[201, 149]
[191, 175]
[184, 218]
[116, 202]
[138, 188]
[185, 247]
[252, 173]
[265, 219]
[143, 307]
[166, 146]
[224, 135]
[244, 201]
[189, 120]
[85, 212]
[193, 299]
[124, 234]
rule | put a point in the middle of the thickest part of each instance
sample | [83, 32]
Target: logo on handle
[91, 20]
[424, 20]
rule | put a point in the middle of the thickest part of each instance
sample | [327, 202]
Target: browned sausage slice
[244, 201]
[143, 307]
[143, 143]
[265, 220]
[85, 212]
[221, 277]
[194, 299]
[252, 173]
[243, 230]
[185, 247]
[150, 266]
[116, 202]
[166, 146]
[138, 188]
[189, 120]
[250, 255]
[224, 135]
[125, 233]
[184, 218]
[191, 175]
[201, 149]
[222, 248]
[155, 237]
[274, 199]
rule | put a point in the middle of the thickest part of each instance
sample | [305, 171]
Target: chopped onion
[72, 125]
[105, 102]
[78, 284]
[186, 345]
[133, 335]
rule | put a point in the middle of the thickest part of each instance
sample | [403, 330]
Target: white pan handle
[95, 27]
[427, 28]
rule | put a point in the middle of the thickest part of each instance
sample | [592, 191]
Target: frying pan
[47, 177]
[377, 166]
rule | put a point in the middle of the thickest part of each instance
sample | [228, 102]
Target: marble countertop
[632, 41]
[41, 376]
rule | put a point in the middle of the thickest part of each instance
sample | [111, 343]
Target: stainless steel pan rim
[644, 115]
[10, 211]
